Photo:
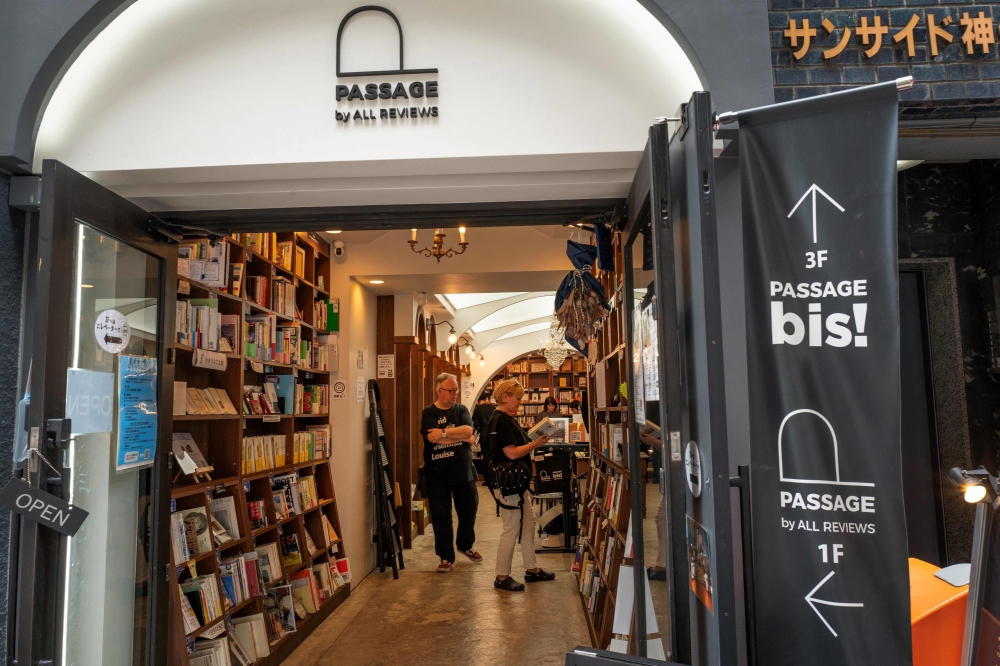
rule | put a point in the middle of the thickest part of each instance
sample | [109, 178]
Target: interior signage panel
[829, 534]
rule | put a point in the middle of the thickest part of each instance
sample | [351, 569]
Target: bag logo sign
[397, 92]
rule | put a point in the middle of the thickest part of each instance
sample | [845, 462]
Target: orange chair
[937, 617]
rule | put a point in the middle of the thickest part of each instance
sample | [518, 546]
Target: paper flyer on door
[137, 418]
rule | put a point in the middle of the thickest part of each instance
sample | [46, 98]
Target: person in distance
[511, 442]
[446, 427]
[550, 410]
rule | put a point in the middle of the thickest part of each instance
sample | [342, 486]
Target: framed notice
[137, 418]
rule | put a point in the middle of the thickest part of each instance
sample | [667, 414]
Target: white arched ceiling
[464, 319]
[186, 104]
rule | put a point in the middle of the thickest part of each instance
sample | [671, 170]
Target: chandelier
[437, 249]
[555, 350]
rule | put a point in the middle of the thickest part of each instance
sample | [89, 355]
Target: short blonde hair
[505, 388]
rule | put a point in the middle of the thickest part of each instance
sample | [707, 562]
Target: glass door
[100, 415]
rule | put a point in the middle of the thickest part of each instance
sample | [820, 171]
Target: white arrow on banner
[809, 600]
[813, 189]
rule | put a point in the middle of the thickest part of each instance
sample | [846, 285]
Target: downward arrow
[813, 189]
[812, 603]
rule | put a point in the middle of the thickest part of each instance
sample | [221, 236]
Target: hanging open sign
[41, 507]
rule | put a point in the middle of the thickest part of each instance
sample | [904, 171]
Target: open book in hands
[544, 427]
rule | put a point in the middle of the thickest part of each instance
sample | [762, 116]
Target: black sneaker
[508, 584]
[541, 575]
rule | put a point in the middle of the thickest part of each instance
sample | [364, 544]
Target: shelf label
[272, 418]
[173, 505]
[246, 486]
[210, 495]
[202, 358]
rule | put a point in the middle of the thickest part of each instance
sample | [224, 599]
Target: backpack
[509, 477]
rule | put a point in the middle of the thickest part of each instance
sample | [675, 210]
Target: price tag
[272, 418]
[209, 493]
[190, 645]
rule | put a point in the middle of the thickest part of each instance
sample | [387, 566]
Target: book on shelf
[219, 533]
[300, 262]
[203, 595]
[262, 452]
[252, 634]
[208, 401]
[269, 562]
[178, 538]
[284, 255]
[282, 621]
[312, 399]
[320, 313]
[282, 509]
[259, 336]
[305, 589]
[229, 333]
[262, 243]
[286, 345]
[329, 534]
[180, 398]
[311, 547]
[187, 615]
[236, 279]
[255, 289]
[257, 513]
[210, 653]
[206, 262]
[197, 323]
[288, 486]
[324, 581]
[283, 296]
[189, 457]
[223, 509]
[240, 656]
[199, 541]
[344, 568]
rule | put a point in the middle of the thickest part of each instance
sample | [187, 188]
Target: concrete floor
[454, 618]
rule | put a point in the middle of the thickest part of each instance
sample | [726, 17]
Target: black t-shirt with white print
[447, 463]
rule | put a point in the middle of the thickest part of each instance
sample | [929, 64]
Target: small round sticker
[112, 331]
[692, 468]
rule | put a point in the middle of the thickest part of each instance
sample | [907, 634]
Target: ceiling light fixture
[335, 231]
[437, 248]
[376, 281]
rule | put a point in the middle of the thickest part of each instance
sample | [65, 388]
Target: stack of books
[311, 444]
[312, 399]
[249, 631]
[283, 296]
[255, 289]
[259, 335]
[286, 345]
[203, 601]
[262, 452]
[286, 495]
[198, 323]
[208, 401]
[262, 244]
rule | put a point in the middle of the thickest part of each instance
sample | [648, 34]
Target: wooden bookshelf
[220, 436]
[606, 503]
[539, 380]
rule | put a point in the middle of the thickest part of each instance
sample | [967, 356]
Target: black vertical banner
[829, 534]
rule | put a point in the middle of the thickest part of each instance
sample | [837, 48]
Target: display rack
[387, 535]
[306, 308]
[606, 503]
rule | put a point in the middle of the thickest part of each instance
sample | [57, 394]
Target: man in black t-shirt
[447, 430]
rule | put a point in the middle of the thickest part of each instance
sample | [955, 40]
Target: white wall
[182, 104]
[351, 465]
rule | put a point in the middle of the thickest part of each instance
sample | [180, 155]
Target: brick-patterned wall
[951, 84]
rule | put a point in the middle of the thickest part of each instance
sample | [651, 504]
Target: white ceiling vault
[188, 105]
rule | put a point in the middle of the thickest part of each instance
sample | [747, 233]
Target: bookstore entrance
[180, 389]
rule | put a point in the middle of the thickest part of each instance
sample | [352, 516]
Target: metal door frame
[68, 196]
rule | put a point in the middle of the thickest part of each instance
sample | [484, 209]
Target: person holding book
[446, 427]
[550, 410]
[511, 442]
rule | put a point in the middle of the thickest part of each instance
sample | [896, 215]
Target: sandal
[508, 584]
[540, 575]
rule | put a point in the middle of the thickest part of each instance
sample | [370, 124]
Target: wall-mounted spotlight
[975, 486]
[482, 361]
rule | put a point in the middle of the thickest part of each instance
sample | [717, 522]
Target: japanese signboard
[136, 412]
[112, 331]
[829, 534]
[977, 34]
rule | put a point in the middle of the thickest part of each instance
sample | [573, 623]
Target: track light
[975, 485]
